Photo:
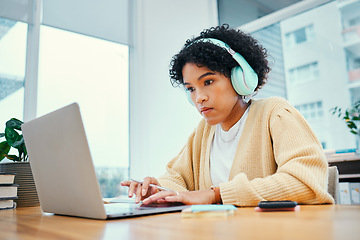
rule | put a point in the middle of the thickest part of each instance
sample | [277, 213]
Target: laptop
[64, 173]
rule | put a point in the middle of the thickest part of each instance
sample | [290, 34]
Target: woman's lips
[205, 110]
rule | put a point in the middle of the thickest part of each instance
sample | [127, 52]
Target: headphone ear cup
[243, 85]
[189, 97]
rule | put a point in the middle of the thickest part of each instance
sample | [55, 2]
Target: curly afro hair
[218, 59]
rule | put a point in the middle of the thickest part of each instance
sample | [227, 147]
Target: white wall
[161, 119]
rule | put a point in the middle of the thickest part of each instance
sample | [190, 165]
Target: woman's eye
[190, 89]
[208, 82]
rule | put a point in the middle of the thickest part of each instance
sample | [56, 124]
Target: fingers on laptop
[138, 194]
[160, 197]
[142, 189]
[146, 186]
[126, 183]
[132, 186]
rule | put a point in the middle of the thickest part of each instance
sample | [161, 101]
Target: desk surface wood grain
[311, 222]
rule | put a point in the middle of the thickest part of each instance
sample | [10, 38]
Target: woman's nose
[200, 98]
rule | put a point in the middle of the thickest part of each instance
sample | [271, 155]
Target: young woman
[244, 151]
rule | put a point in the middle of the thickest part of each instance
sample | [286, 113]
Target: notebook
[64, 173]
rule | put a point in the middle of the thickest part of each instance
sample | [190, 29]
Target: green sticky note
[212, 207]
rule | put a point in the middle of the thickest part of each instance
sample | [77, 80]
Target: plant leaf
[25, 151]
[4, 149]
[352, 125]
[2, 135]
[13, 158]
[357, 104]
[14, 123]
[20, 154]
[18, 144]
[354, 132]
[11, 136]
[333, 110]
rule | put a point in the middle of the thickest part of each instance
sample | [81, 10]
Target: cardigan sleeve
[179, 174]
[302, 169]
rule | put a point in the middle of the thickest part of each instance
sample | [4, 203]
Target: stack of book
[8, 191]
[347, 161]
[349, 193]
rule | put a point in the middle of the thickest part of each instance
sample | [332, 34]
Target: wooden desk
[311, 222]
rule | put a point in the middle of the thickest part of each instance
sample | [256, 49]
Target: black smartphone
[277, 204]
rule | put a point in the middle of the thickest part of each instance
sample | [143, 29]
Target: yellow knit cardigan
[278, 158]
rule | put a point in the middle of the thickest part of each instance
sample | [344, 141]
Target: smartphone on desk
[265, 206]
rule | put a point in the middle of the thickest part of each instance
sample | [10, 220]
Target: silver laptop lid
[61, 163]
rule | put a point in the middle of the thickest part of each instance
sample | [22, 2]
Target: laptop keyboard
[120, 207]
[128, 209]
[123, 208]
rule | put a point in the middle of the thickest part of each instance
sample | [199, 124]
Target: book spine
[344, 193]
[13, 207]
[354, 192]
[9, 185]
[8, 190]
[7, 178]
[8, 198]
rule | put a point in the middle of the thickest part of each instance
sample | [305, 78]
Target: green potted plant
[352, 118]
[13, 139]
[18, 164]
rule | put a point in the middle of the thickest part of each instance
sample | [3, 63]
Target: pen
[153, 185]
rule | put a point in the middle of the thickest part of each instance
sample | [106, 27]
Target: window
[311, 111]
[354, 21]
[300, 36]
[72, 67]
[305, 73]
[13, 36]
[356, 63]
[94, 73]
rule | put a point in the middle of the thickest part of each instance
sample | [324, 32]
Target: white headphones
[243, 78]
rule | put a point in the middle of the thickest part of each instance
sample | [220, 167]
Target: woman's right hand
[141, 190]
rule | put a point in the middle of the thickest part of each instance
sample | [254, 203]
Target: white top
[223, 150]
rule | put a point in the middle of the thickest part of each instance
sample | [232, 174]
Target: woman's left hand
[188, 198]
